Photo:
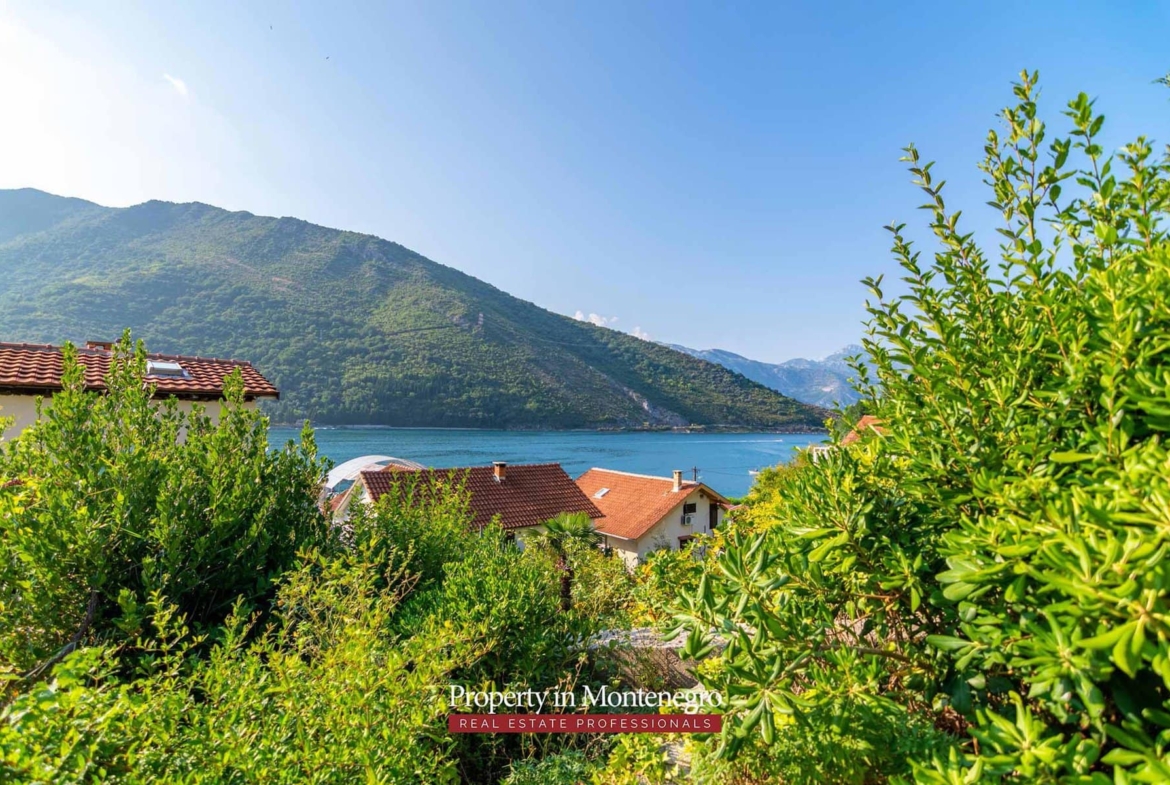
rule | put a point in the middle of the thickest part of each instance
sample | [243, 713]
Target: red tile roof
[529, 494]
[864, 425]
[633, 503]
[36, 368]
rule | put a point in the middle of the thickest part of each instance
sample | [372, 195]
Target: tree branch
[68, 648]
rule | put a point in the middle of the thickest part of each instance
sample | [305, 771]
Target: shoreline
[698, 429]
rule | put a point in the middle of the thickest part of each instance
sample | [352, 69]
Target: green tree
[558, 537]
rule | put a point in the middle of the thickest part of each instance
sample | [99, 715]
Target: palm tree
[557, 538]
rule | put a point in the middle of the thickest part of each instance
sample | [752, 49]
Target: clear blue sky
[713, 175]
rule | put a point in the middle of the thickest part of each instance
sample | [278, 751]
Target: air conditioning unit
[688, 520]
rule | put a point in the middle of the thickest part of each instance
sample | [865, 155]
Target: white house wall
[23, 409]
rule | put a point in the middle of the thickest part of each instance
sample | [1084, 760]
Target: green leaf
[948, 642]
[1104, 640]
[958, 591]
[1070, 457]
[767, 725]
[1123, 655]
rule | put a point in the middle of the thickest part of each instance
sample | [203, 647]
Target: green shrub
[602, 587]
[571, 767]
[992, 562]
[344, 679]
[662, 575]
[322, 695]
[428, 523]
[232, 634]
[111, 506]
[639, 759]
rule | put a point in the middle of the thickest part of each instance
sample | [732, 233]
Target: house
[522, 497]
[644, 513]
[31, 370]
[866, 425]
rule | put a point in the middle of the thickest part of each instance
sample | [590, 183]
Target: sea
[724, 461]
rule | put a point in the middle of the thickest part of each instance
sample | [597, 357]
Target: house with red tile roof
[865, 426]
[645, 513]
[31, 370]
[522, 496]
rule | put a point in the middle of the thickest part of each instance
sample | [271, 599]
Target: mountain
[353, 329]
[817, 382]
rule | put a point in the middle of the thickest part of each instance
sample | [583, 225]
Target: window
[164, 368]
[690, 509]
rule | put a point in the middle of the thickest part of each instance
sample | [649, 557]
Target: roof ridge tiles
[643, 476]
[16, 345]
[103, 352]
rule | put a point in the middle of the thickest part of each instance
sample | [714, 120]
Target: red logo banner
[584, 723]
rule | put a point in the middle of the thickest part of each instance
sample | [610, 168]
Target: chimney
[500, 469]
[677, 480]
[107, 345]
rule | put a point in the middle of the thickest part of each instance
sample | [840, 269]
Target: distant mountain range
[352, 328]
[818, 382]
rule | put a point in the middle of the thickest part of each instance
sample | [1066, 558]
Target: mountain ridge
[355, 329]
[826, 383]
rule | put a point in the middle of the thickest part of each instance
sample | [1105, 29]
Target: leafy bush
[639, 759]
[662, 575]
[992, 562]
[322, 696]
[232, 634]
[111, 498]
[571, 767]
[427, 523]
[602, 587]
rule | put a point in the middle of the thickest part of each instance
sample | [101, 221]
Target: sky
[710, 174]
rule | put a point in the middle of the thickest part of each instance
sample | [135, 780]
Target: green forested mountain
[353, 329]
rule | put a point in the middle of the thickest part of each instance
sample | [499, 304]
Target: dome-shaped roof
[346, 473]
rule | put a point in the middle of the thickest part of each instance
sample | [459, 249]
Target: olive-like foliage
[986, 555]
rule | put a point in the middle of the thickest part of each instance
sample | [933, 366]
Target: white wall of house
[669, 529]
[23, 409]
[523, 533]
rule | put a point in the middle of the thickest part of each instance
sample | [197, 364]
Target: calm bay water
[724, 460]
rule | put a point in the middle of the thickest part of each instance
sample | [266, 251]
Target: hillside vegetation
[352, 328]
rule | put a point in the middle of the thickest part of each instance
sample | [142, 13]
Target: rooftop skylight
[601, 493]
[164, 368]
